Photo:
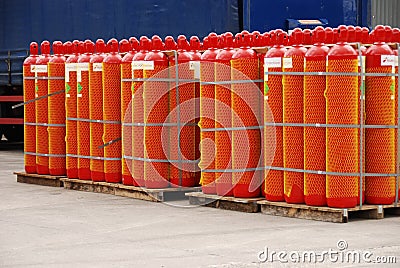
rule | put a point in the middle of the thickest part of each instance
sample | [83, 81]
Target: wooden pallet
[248, 205]
[326, 214]
[155, 195]
[45, 180]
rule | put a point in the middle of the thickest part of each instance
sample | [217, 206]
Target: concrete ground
[53, 227]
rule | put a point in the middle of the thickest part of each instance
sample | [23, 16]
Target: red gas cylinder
[83, 124]
[314, 113]
[71, 137]
[183, 155]
[207, 116]
[273, 92]
[96, 111]
[293, 152]
[138, 112]
[29, 109]
[56, 111]
[156, 111]
[129, 48]
[342, 148]
[112, 113]
[380, 110]
[41, 108]
[223, 138]
[246, 112]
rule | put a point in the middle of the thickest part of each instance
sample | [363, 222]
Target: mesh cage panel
[246, 105]
[42, 138]
[56, 115]
[380, 143]
[83, 128]
[112, 112]
[71, 137]
[156, 110]
[96, 129]
[126, 97]
[293, 153]
[273, 181]
[342, 144]
[29, 117]
[207, 139]
[314, 137]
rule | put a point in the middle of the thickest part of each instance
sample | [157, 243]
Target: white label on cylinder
[97, 67]
[81, 67]
[265, 72]
[69, 67]
[195, 66]
[387, 60]
[33, 68]
[273, 62]
[142, 65]
[41, 68]
[287, 63]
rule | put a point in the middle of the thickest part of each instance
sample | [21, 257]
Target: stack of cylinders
[182, 107]
[156, 138]
[138, 114]
[96, 112]
[293, 155]
[29, 109]
[41, 110]
[246, 113]
[126, 108]
[112, 114]
[342, 144]
[380, 110]
[273, 181]
[83, 114]
[223, 118]
[56, 111]
[207, 115]
[314, 113]
[71, 137]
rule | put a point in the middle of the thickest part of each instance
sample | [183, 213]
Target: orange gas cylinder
[138, 113]
[56, 111]
[156, 110]
[342, 144]
[71, 137]
[246, 116]
[273, 92]
[183, 110]
[293, 141]
[96, 112]
[83, 114]
[29, 109]
[380, 110]
[223, 117]
[41, 108]
[112, 113]
[314, 113]
[207, 114]
[130, 48]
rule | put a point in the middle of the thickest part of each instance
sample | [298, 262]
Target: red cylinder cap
[113, 45]
[328, 35]
[213, 40]
[351, 34]
[342, 33]
[246, 39]
[238, 40]
[335, 35]
[182, 42]
[228, 39]
[45, 47]
[58, 48]
[89, 46]
[388, 33]
[307, 37]
[100, 46]
[170, 43]
[145, 44]
[157, 43]
[365, 35]
[266, 39]
[82, 47]
[319, 35]
[67, 47]
[124, 46]
[371, 36]
[134, 43]
[256, 39]
[205, 43]
[194, 43]
[296, 37]
[34, 48]
[358, 30]
[379, 34]
[396, 35]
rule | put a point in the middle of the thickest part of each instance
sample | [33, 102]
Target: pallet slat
[44, 180]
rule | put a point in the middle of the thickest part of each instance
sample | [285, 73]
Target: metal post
[362, 96]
